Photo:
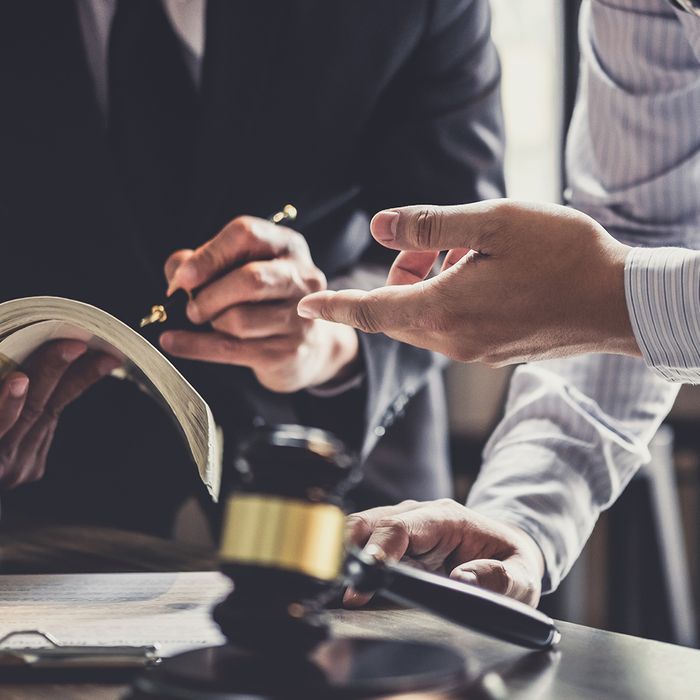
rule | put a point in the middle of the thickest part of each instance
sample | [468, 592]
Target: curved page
[25, 324]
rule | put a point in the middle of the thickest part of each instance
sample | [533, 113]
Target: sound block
[340, 668]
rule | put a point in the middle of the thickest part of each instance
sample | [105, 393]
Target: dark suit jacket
[340, 107]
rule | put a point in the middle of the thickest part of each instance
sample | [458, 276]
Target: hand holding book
[52, 350]
[31, 402]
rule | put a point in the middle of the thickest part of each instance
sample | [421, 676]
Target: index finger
[381, 310]
[359, 526]
[427, 227]
[245, 238]
[411, 266]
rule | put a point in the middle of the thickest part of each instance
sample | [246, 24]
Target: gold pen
[180, 297]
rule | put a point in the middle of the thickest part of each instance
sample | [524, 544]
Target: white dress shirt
[576, 430]
[186, 16]
[663, 297]
[188, 20]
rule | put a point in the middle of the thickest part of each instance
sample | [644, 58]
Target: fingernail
[73, 352]
[385, 225]
[465, 577]
[18, 387]
[107, 365]
[349, 596]
[193, 312]
[186, 275]
[306, 309]
[166, 341]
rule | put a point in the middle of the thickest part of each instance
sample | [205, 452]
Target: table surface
[589, 663]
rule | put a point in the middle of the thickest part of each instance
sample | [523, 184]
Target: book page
[26, 324]
[168, 609]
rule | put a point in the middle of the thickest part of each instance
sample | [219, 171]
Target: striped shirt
[662, 286]
[576, 430]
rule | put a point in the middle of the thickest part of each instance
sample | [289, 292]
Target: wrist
[342, 350]
[612, 331]
[530, 551]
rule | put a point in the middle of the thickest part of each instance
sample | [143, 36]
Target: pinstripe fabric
[662, 286]
[576, 430]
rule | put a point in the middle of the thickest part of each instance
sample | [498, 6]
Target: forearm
[574, 433]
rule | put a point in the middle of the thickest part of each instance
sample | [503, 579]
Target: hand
[445, 537]
[250, 278]
[520, 282]
[31, 402]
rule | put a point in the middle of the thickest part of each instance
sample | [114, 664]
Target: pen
[180, 297]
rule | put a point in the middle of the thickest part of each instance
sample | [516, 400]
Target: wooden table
[589, 663]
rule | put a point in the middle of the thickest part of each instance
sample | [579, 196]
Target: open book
[26, 324]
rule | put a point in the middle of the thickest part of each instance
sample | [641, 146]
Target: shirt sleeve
[662, 287]
[576, 430]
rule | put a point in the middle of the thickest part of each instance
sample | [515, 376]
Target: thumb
[381, 310]
[171, 266]
[509, 577]
[427, 227]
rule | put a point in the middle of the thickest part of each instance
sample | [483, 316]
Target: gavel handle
[470, 606]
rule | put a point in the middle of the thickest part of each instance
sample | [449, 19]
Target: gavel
[283, 546]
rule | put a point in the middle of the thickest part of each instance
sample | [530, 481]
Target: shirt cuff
[662, 288]
[331, 389]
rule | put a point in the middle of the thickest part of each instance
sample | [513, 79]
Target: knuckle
[208, 260]
[500, 577]
[316, 281]
[393, 524]
[297, 242]
[242, 227]
[445, 503]
[427, 225]
[228, 346]
[357, 524]
[255, 274]
[497, 219]
[362, 317]
[230, 322]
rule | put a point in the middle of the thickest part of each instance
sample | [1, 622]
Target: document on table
[168, 609]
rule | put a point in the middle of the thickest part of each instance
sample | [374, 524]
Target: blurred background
[640, 571]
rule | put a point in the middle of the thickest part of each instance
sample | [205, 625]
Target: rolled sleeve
[576, 430]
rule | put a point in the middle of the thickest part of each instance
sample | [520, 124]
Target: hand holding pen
[243, 286]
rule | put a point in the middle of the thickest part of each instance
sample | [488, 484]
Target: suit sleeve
[436, 137]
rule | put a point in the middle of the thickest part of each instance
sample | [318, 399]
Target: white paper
[168, 609]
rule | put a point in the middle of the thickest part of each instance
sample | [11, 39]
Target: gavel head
[282, 540]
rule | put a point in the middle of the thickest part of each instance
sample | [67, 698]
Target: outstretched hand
[519, 282]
